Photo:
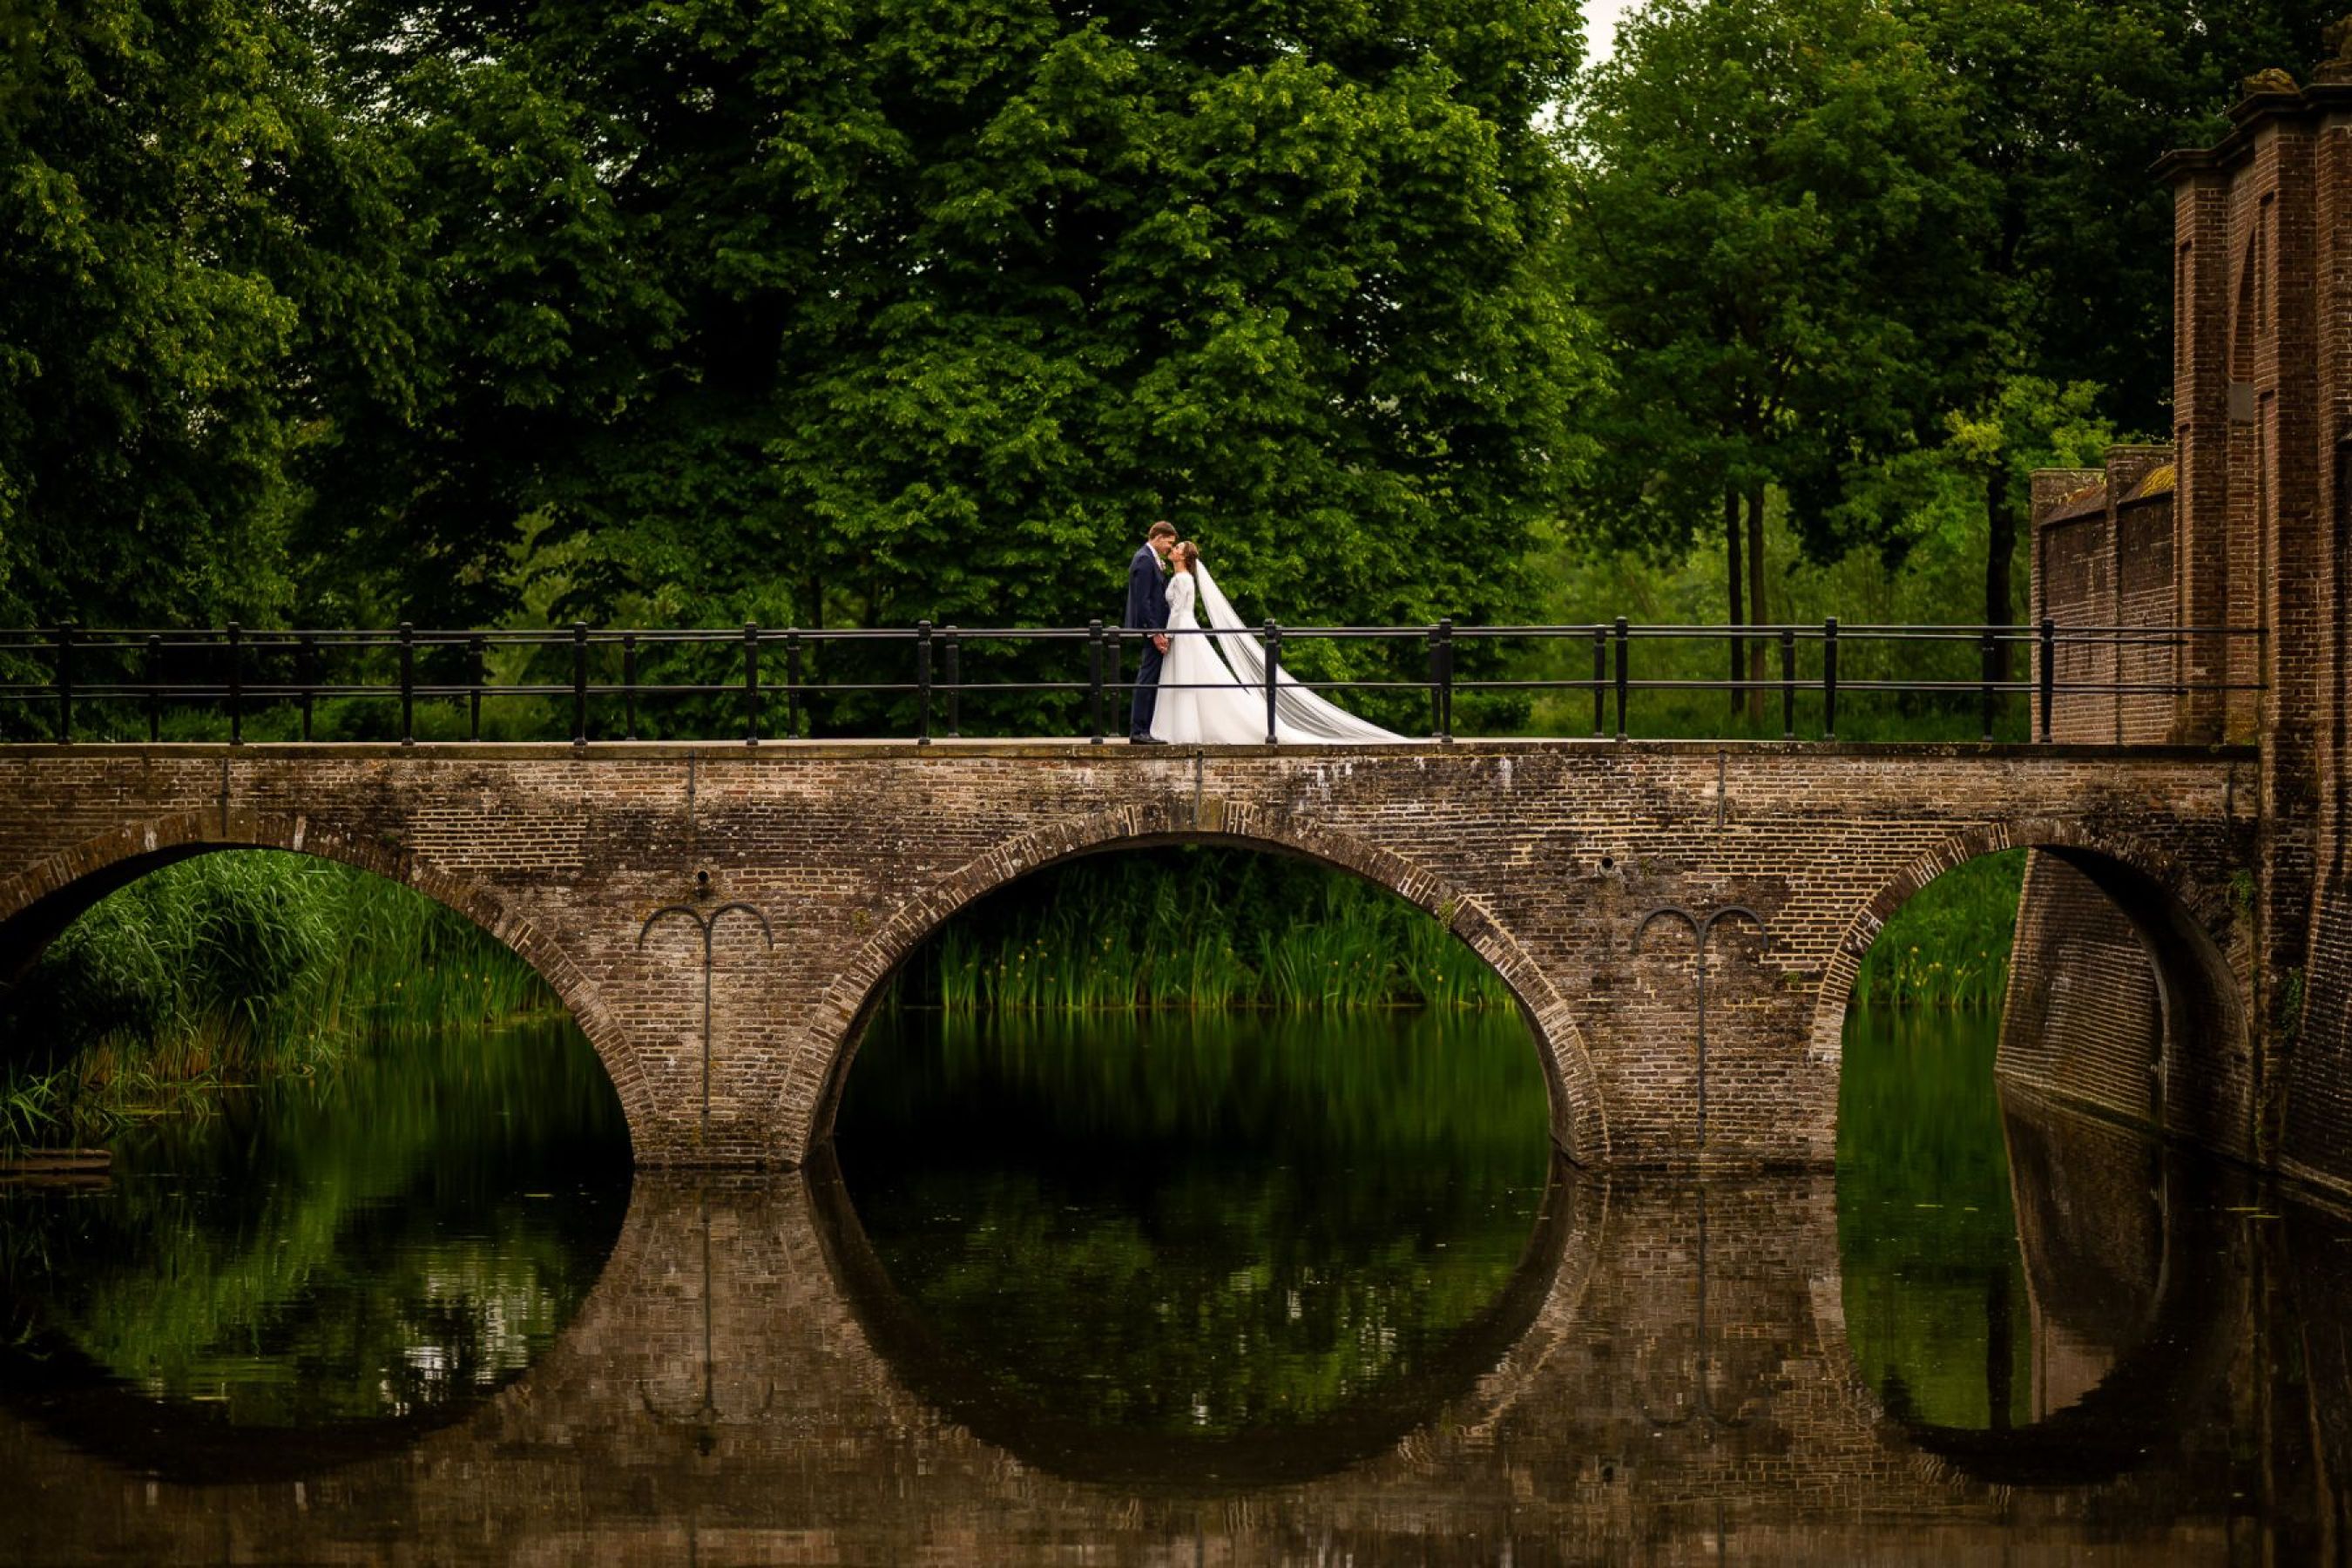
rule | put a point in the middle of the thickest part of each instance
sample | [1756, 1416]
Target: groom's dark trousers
[1146, 611]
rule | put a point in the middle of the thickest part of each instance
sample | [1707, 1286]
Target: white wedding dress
[1212, 701]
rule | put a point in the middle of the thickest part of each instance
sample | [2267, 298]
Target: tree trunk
[1756, 611]
[2000, 546]
[1731, 574]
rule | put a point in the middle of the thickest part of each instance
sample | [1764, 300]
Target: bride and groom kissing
[1207, 686]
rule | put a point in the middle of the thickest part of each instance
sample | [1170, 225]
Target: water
[1235, 1290]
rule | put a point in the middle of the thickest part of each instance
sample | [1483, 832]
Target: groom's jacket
[1147, 591]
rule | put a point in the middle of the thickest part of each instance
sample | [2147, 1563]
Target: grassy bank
[230, 967]
[1199, 928]
[1949, 945]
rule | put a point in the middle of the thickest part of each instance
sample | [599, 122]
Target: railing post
[1273, 680]
[407, 684]
[750, 683]
[791, 683]
[1436, 688]
[306, 677]
[1829, 678]
[955, 686]
[1988, 650]
[1445, 679]
[64, 639]
[1600, 681]
[1625, 641]
[628, 686]
[1787, 683]
[477, 657]
[2048, 673]
[579, 683]
[155, 690]
[235, 636]
[922, 683]
[1094, 703]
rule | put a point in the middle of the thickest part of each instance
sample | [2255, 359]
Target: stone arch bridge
[816, 868]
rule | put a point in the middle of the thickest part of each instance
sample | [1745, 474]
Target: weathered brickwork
[2254, 536]
[2084, 1017]
[1544, 857]
[1672, 1376]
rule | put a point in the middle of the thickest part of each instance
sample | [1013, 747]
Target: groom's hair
[1157, 529]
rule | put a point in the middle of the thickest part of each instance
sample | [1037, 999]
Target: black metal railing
[759, 683]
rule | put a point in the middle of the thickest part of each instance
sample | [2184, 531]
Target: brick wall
[2263, 401]
[2084, 1021]
[1544, 857]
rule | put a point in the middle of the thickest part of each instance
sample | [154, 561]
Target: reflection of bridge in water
[745, 1382]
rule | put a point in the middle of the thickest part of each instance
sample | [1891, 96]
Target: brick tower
[2242, 523]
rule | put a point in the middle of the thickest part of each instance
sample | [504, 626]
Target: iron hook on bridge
[708, 925]
[1701, 928]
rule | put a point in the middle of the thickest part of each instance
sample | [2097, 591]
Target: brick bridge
[1672, 1369]
[2184, 954]
[1547, 857]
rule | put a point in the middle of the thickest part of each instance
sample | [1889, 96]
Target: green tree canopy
[192, 248]
[856, 315]
[1777, 232]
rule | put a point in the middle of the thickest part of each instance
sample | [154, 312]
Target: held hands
[1161, 643]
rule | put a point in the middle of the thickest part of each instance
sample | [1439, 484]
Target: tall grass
[233, 966]
[1201, 929]
[1949, 945]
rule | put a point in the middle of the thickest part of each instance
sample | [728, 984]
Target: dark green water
[1197, 1226]
[1253, 1288]
[388, 1243]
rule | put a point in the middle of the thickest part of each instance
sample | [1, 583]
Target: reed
[1201, 929]
[1948, 946]
[233, 966]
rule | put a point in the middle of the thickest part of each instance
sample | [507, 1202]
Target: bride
[1208, 700]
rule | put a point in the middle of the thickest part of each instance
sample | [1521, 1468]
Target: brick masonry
[2244, 521]
[1544, 857]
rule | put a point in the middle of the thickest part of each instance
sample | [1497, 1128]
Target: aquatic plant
[1202, 929]
[1949, 945]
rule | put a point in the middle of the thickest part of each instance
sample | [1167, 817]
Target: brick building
[2240, 522]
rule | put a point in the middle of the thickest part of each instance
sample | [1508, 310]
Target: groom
[1146, 611]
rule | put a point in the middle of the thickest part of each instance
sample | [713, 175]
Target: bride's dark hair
[1186, 553]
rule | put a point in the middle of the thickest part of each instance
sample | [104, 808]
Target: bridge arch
[1578, 1120]
[38, 903]
[2174, 917]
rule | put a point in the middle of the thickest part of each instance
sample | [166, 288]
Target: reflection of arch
[37, 904]
[1550, 1280]
[1580, 1126]
[2172, 916]
[2180, 1352]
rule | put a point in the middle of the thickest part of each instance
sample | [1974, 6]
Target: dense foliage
[849, 314]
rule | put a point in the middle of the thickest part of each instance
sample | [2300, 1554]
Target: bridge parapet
[1545, 857]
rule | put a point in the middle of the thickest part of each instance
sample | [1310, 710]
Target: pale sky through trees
[1600, 26]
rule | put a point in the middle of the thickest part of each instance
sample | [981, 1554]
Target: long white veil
[1295, 708]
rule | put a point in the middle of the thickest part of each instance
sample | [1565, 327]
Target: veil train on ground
[1295, 708]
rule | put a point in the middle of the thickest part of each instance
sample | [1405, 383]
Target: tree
[1774, 225]
[2067, 104]
[848, 314]
[194, 237]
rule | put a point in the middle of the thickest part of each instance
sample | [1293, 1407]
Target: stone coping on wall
[1075, 749]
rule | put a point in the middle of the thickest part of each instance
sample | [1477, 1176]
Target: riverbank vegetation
[1200, 928]
[1949, 945]
[232, 967]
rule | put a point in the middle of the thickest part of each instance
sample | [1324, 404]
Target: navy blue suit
[1146, 610]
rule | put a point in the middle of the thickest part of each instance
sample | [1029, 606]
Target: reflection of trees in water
[1203, 1226]
[967, 1377]
[369, 1245]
